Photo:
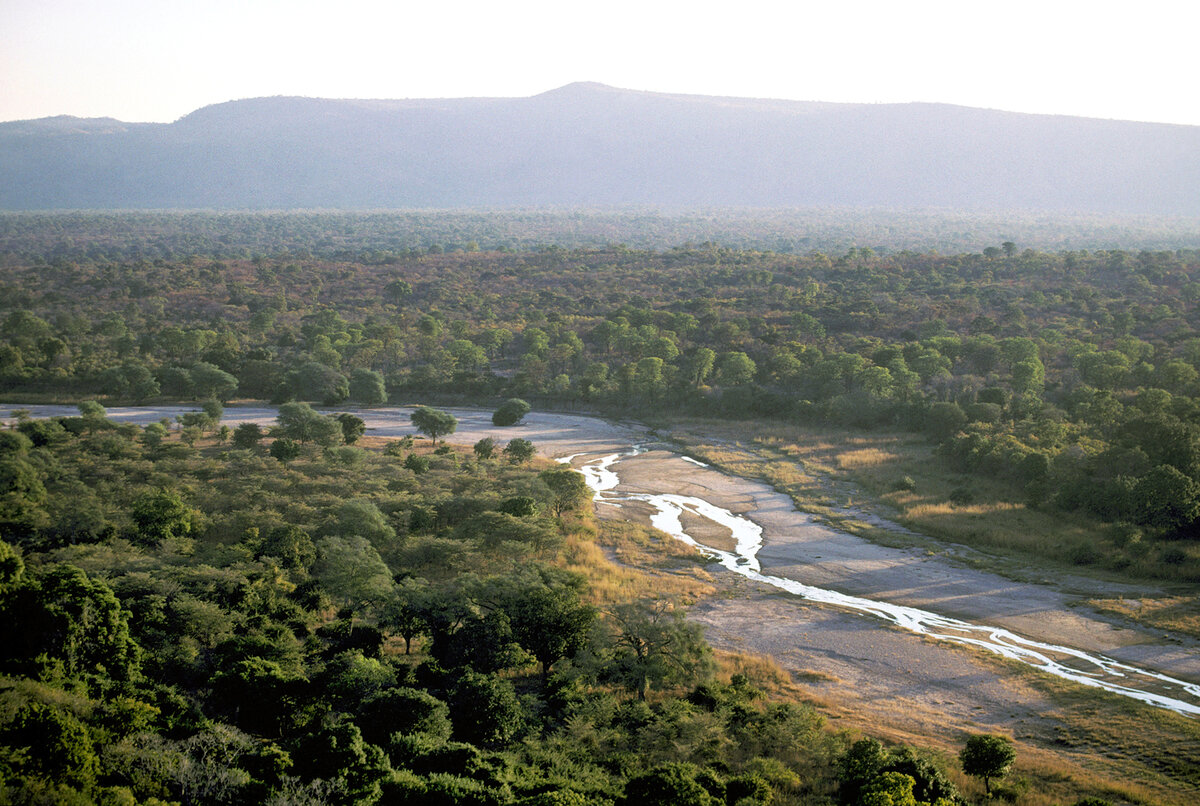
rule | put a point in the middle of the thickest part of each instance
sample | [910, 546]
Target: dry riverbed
[863, 671]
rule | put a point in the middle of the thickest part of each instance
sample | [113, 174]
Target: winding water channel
[1081, 667]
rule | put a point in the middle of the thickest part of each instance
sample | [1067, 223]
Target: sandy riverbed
[896, 680]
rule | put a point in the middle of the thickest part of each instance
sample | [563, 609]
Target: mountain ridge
[587, 144]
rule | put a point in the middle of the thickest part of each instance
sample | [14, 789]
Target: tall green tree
[300, 422]
[568, 487]
[366, 387]
[510, 412]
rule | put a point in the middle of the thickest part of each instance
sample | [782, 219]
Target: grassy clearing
[624, 561]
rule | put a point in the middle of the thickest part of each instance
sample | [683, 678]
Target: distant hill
[589, 144]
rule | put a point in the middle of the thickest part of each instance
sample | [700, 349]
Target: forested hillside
[588, 144]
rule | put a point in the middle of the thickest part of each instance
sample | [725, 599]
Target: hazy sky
[156, 60]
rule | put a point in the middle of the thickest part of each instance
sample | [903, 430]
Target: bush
[511, 412]
[961, 496]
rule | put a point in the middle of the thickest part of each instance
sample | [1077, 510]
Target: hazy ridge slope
[588, 144]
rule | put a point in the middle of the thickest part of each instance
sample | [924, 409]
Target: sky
[157, 60]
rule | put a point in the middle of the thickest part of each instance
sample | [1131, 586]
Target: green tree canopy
[299, 422]
[510, 412]
[987, 756]
[567, 487]
[434, 423]
[366, 387]
[519, 451]
[653, 645]
[161, 515]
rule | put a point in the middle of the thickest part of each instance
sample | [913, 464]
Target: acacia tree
[654, 645]
[434, 423]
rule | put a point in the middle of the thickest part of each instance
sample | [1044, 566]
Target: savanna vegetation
[192, 621]
[1049, 382]
[301, 615]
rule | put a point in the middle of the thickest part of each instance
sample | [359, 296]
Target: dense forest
[304, 615]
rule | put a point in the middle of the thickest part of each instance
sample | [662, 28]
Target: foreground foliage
[227, 627]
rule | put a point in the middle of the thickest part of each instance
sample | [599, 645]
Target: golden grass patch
[865, 457]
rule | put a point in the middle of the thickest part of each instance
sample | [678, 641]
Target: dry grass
[864, 458]
[1146, 754]
[1176, 613]
[763, 672]
[623, 561]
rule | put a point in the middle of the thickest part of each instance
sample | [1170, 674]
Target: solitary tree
[510, 412]
[986, 756]
[485, 448]
[434, 423]
[353, 427]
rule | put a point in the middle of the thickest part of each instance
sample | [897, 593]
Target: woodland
[301, 614]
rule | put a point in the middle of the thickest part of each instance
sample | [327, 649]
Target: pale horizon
[142, 61]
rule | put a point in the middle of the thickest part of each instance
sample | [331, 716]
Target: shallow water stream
[1081, 667]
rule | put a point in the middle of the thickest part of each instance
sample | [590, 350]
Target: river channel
[1087, 669]
[678, 490]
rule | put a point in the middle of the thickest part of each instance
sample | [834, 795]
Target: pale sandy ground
[866, 671]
